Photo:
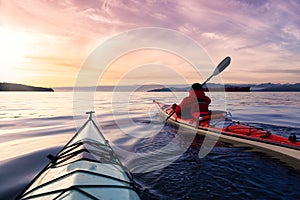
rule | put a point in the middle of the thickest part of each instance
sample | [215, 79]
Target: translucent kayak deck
[86, 168]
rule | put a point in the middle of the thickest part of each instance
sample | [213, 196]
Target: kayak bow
[238, 134]
[86, 168]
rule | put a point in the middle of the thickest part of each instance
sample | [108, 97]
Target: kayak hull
[277, 146]
[86, 168]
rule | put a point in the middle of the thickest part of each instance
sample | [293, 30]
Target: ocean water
[33, 125]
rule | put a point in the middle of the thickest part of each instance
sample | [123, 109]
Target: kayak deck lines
[259, 134]
[86, 168]
[76, 188]
[89, 150]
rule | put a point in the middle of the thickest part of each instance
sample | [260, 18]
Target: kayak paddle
[171, 114]
[221, 66]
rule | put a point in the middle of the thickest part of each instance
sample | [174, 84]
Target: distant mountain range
[264, 87]
[272, 87]
[276, 87]
[20, 87]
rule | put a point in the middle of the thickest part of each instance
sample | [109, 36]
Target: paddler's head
[196, 90]
[197, 87]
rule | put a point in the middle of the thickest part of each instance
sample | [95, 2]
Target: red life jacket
[196, 102]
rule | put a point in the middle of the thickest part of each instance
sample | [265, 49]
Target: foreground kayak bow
[227, 130]
[86, 168]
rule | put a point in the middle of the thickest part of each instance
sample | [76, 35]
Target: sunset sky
[44, 42]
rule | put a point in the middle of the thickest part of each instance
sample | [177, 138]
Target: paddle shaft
[172, 113]
[207, 80]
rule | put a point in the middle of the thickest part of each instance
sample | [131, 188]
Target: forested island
[20, 87]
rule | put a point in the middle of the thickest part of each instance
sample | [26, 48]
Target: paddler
[194, 105]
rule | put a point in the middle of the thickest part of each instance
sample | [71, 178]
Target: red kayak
[218, 124]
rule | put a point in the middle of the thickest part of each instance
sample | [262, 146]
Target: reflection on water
[33, 125]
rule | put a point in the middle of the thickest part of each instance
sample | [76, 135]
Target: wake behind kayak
[86, 168]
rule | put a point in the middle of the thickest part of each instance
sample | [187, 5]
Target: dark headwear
[197, 86]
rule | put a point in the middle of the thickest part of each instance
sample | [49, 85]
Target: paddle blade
[223, 64]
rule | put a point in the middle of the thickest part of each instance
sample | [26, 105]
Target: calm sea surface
[33, 125]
